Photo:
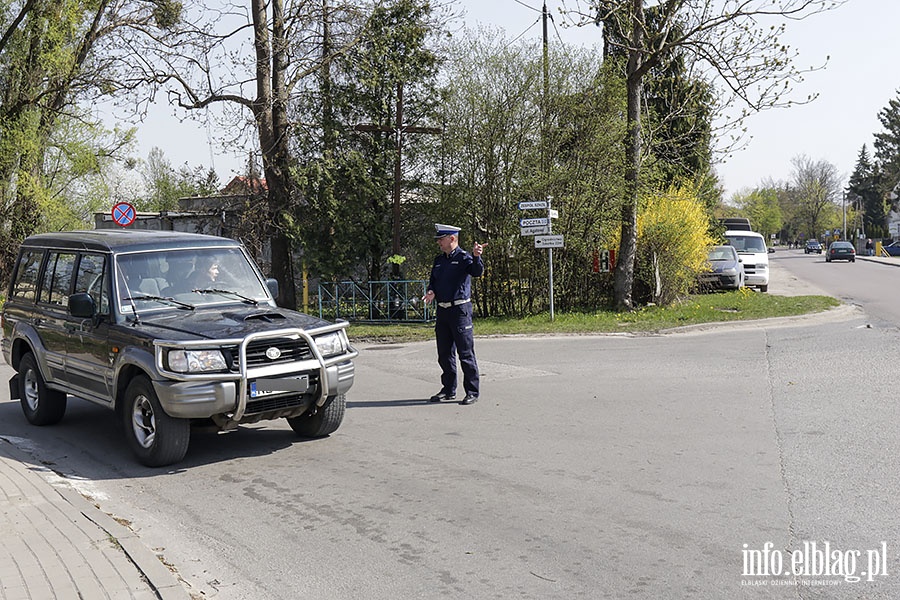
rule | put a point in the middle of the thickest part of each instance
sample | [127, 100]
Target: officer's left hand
[478, 249]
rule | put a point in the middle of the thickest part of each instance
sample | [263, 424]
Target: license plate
[282, 385]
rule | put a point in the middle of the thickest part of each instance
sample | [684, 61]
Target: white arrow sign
[535, 204]
[534, 222]
[548, 241]
[538, 230]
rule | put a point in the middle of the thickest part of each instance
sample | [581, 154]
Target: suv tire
[324, 421]
[156, 438]
[41, 405]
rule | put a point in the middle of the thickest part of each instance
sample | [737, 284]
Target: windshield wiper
[228, 293]
[177, 303]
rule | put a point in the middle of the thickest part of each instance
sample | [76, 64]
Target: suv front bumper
[204, 399]
[205, 395]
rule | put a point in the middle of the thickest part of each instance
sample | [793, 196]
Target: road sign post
[542, 229]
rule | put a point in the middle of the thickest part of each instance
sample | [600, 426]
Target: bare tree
[250, 61]
[817, 192]
[726, 39]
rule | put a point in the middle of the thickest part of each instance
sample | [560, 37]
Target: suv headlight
[330, 344]
[196, 361]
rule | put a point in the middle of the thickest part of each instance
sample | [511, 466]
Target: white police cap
[442, 230]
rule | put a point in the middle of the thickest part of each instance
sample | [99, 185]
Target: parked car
[167, 329]
[813, 246]
[841, 251]
[726, 269]
[893, 248]
[751, 247]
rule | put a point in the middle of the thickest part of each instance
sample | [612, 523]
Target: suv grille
[292, 350]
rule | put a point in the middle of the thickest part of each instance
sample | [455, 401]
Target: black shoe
[469, 399]
[441, 396]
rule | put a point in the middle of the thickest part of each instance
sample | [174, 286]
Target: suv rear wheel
[41, 405]
[324, 421]
[156, 438]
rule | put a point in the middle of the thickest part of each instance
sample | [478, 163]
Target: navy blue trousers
[453, 331]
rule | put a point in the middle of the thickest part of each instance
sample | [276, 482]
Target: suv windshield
[192, 277]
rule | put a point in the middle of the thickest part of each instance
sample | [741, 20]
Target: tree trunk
[270, 110]
[624, 280]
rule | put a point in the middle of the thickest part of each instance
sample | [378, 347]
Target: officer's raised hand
[478, 249]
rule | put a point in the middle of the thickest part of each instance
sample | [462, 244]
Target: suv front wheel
[324, 421]
[41, 405]
[156, 438]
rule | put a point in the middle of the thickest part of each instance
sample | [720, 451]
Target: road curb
[882, 260]
[161, 581]
[839, 313]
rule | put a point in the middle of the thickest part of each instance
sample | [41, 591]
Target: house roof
[243, 185]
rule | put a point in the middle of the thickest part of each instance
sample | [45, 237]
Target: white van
[751, 248]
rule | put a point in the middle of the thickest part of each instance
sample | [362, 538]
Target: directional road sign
[534, 230]
[554, 214]
[530, 205]
[548, 241]
[534, 222]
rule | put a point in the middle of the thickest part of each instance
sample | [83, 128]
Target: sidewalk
[885, 260]
[55, 544]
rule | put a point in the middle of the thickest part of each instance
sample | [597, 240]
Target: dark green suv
[167, 329]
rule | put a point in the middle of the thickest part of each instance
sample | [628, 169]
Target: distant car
[726, 269]
[841, 251]
[813, 246]
[893, 248]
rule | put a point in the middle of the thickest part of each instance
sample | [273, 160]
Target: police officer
[450, 288]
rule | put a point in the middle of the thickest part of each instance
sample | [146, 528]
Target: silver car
[726, 269]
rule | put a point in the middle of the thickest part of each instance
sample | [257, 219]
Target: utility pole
[546, 97]
[545, 170]
[397, 131]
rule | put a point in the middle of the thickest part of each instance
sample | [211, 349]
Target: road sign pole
[541, 229]
[550, 256]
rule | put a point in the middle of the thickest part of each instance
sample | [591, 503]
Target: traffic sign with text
[531, 205]
[548, 241]
[554, 214]
[534, 222]
[534, 230]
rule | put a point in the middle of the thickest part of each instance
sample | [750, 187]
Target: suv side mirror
[771, 250]
[82, 306]
[272, 284]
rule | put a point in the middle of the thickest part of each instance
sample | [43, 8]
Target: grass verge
[704, 308]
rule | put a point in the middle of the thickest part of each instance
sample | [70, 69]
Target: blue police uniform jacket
[451, 275]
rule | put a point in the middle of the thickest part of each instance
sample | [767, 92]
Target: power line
[518, 37]
[526, 6]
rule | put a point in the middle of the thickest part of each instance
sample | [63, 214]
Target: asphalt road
[594, 467]
[873, 283]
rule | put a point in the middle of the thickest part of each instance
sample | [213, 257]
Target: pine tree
[865, 197]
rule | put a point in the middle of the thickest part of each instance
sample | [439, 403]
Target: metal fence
[375, 301]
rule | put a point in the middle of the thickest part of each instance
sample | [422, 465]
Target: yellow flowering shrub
[673, 241]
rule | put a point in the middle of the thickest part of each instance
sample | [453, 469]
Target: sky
[859, 40]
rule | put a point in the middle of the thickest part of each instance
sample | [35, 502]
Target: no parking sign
[123, 214]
